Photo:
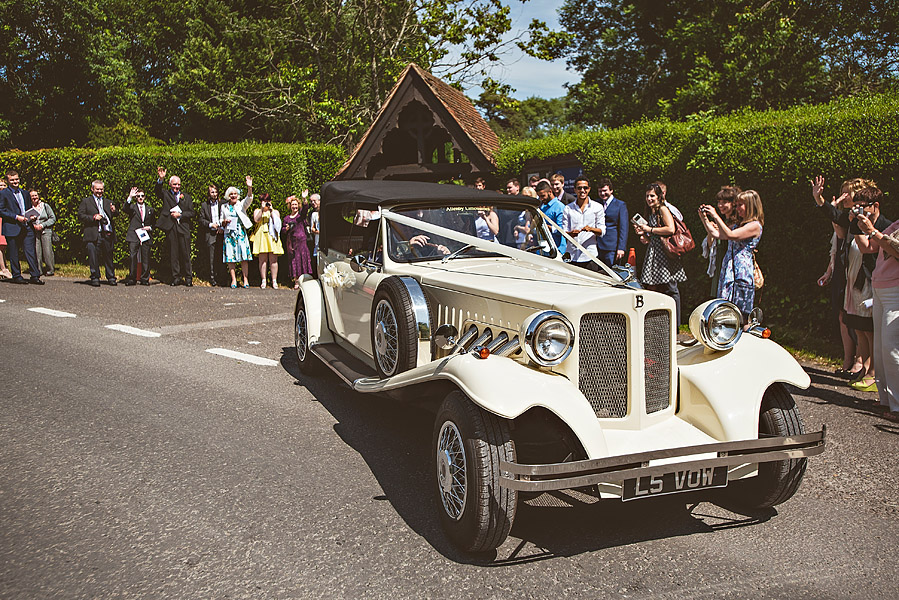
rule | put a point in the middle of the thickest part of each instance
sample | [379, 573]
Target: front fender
[506, 388]
[316, 318]
[721, 392]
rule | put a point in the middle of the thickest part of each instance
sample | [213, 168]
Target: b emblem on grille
[638, 301]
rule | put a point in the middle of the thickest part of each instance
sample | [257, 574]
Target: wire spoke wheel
[451, 473]
[301, 336]
[469, 444]
[386, 337]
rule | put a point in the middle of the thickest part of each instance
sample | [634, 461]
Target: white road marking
[237, 322]
[133, 330]
[254, 343]
[51, 312]
[256, 360]
[2, 300]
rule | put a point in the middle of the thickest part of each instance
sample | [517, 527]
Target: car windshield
[513, 225]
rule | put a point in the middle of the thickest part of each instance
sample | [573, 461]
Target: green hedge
[775, 153]
[63, 177]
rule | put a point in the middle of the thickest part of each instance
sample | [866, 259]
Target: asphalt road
[148, 467]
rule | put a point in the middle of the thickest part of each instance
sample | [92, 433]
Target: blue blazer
[615, 237]
[9, 209]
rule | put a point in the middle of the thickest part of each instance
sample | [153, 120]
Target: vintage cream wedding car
[544, 376]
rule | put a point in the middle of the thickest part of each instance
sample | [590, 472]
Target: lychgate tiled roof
[452, 112]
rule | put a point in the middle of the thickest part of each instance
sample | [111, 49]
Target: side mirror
[566, 257]
[358, 262]
[445, 337]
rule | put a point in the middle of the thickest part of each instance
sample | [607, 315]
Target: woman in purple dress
[295, 232]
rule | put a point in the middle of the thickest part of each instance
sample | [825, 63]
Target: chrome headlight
[549, 338]
[717, 324]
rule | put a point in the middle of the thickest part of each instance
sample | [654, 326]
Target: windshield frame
[443, 247]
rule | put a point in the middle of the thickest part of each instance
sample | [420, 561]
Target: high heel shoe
[862, 386]
[856, 376]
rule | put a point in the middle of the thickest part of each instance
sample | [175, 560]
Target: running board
[348, 367]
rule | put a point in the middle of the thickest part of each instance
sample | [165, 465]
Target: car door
[350, 281]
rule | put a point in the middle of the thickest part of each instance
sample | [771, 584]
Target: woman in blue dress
[235, 221]
[735, 281]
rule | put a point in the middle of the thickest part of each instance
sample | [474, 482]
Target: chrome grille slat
[602, 358]
[657, 360]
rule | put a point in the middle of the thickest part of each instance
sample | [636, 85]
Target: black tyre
[394, 336]
[777, 481]
[469, 443]
[308, 362]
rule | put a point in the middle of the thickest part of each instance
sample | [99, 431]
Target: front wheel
[777, 481]
[469, 444]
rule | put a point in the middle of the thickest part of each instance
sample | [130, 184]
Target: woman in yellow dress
[267, 239]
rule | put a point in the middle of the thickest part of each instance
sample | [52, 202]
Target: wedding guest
[212, 236]
[267, 239]
[141, 217]
[314, 226]
[297, 247]
[4, 272]
[95, 214]
[174, 219]
[17, 229]
[43, 233]
[235, 222]
[661, 272]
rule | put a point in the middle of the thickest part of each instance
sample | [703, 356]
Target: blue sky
[529, 76]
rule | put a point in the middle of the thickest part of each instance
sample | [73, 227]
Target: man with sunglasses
[142, 218]
[585, 221]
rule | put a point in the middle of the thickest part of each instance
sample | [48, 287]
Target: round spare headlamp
[549, 338]
[717, 324]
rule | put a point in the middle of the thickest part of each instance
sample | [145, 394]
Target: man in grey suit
[95, 213]
[17, 230]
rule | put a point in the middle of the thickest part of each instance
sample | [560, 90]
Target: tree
[297, 70]
[521, 119]
[643, 58]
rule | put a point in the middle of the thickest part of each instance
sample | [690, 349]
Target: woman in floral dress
[235, 222]
[735, 281]
[297, 243]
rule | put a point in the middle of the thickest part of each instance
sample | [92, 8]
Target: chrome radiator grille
[602, 351]
[602, 362]
[657, 360]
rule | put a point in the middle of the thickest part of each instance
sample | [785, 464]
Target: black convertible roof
[381, 192]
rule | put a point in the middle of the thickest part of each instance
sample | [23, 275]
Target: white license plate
[674, 482]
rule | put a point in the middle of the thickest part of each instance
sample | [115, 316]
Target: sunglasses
[138, 195]
[582, 187]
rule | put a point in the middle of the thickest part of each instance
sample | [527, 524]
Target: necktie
[141, 214]
[103, 226]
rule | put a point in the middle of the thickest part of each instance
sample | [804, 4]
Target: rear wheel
[469, 443]
[777, 481]
[307, 361]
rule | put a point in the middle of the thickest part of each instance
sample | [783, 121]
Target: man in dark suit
[17, 230]
[613, 245]
[213, 236]
[95, 213]
[142, 218]
[174, 219]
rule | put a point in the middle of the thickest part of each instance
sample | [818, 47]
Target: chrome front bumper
[615, 469]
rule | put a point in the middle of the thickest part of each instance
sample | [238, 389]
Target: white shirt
[594, 216]
[313, 221]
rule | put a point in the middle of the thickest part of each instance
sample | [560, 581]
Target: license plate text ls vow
[674, 482]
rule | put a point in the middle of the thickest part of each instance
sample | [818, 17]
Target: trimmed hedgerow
[773, 152]
[63, 177]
